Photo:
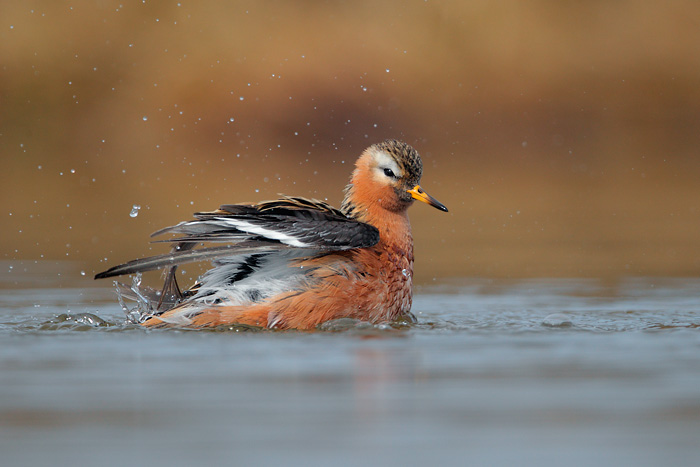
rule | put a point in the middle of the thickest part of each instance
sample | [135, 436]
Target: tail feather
[181, 257]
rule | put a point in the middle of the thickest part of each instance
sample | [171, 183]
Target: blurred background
[563, 136]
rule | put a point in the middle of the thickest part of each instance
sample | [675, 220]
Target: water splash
[144, 308]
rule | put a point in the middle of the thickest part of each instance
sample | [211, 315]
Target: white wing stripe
[262, 231]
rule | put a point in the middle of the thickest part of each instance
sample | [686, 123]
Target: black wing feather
[310, 222]
[152, 263]
[271, 225]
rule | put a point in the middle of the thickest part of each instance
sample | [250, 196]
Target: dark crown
[405, 156]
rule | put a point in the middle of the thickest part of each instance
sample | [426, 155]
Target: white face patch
[385, 161]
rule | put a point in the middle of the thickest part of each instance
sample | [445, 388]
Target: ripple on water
[493, 363]
[474, 306]
[557, 320]
[74, 322]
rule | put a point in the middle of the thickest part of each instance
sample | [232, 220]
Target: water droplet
[134, 210]
[145, 118]
[82, 273]
[404, 272]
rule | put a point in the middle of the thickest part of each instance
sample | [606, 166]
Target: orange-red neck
[369, 201]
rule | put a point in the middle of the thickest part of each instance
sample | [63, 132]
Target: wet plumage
[293, 263]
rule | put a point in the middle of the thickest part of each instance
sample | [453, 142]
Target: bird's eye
[389, 173]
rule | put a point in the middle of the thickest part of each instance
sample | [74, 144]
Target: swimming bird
[294, 263]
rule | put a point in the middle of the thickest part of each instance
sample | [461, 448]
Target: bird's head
[389, 174]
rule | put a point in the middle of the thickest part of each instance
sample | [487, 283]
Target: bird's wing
[296, 222]
[250, 229]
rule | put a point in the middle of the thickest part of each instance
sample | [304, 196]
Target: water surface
[528, 372]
